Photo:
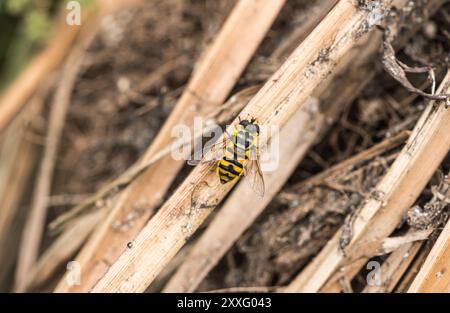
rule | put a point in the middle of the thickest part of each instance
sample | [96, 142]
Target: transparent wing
[254, 174]
[202, 161]
[217, 151]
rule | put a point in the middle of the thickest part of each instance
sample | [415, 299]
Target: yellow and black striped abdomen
[231, 165]
[228, 170]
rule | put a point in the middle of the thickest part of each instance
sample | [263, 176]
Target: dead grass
[336, 203]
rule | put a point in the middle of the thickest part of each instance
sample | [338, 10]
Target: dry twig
[394, 267]
[17, 158]
[391, 198]
[242, 208]
[212, 80]
[63, 248]
[34, 226]
[286, 91]
[434, 275]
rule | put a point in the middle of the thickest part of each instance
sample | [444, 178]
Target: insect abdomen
[231, 165]
[229, 169]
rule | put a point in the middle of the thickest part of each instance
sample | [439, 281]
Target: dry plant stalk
[287, 90]
[242, 208]
[18, 174]
[391, 244]
[426, 148]
[18, 157]
[434, 275]
[394, 267]
[63, 248]
[417, 262]
[34, 226]
[207, 252]
[71, 221]
[222, 115]
[352, 79]
[212, 80]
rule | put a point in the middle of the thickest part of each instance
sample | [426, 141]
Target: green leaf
[17, 7]
[37, 25]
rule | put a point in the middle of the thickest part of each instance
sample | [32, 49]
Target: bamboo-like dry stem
[212, 80]
[352, 79]
[17, 158]
[434, 275]
[287, 90]
[384, 210]
[414, 268]
[63, 248]
[394, 267]
[242, 208]
[34, 226]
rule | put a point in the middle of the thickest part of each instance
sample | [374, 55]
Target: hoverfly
[239, 155]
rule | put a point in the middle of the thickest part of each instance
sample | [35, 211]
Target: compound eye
[245, 123]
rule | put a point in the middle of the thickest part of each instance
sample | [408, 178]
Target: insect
[240, 155]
